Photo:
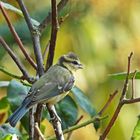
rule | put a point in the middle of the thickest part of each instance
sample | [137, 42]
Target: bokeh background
[102, 33]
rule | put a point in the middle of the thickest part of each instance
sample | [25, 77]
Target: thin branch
[120, 104]
[39, 131]
[2, 69]
[131, 101]
[75, 127]
[16, 60]
[54, 29]
[47, 20]
[16, 37]
[35, 38]
[70, 133]
[111, 97]
[56, 123]
[46, 50]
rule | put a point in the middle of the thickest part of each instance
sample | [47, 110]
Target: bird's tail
[17, 115]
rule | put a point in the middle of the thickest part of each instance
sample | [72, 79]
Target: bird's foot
[56, 118]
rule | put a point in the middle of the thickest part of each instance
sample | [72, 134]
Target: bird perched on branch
[51, 87]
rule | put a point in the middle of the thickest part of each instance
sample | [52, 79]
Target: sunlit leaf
[136, 131]
[4, 83]
[83, 101]
[68, 112]
[85, 104]
[122, 75]
[17, 11]
[4, 107]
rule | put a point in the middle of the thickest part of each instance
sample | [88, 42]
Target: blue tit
[52, 87]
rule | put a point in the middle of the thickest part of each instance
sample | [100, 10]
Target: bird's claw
[56, 118]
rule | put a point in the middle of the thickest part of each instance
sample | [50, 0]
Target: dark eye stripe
[75, 62]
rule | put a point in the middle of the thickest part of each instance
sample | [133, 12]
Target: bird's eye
[75, 62]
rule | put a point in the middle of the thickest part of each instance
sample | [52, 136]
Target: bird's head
[70, 61]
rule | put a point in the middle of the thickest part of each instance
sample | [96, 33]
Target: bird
[51, 87]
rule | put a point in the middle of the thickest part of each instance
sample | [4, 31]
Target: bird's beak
[80, 66]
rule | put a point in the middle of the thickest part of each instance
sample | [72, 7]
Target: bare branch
[2, 69]
[70, 133]
[75, 127]
[55, 26]
[35, 38]
[47, 20]
[46, 50]
[120, 104]
[16, 37]
[16, 60]
[39, 131]
[111, 97]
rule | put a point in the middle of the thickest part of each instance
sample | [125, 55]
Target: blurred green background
[102, 33]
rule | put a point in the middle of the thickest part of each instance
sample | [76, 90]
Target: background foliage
[102, 33]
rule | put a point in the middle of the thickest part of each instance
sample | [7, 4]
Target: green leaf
[4, 108]
[122, 75]
[85, 104]
[7, 137]
[83, 101]
[136, 131]
[4, 83]
[6, 130]
[17, 11]
[67, 111]
[16, 92]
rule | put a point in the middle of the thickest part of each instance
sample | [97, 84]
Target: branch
[2, 69]
[121, 102]
[70, 133]
[92, 120]
[47, 20]
[16, 37]
[55, 26]
[39, 131]
[35, 38]
[16, 60]
[111, 97]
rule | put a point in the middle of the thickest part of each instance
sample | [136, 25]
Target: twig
[46, 50]
[2, 69]
[55, 25]
[111, 97]
[39, 131]
[56, 123]
[70, 133]
[35, 38]
[121, 102]
[37, 51]
[16, 37]
[92, 120]
[54, 29]
[47, 20]
[16, 60]
[133, 78]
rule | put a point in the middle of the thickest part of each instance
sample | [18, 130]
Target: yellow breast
[57, 98]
